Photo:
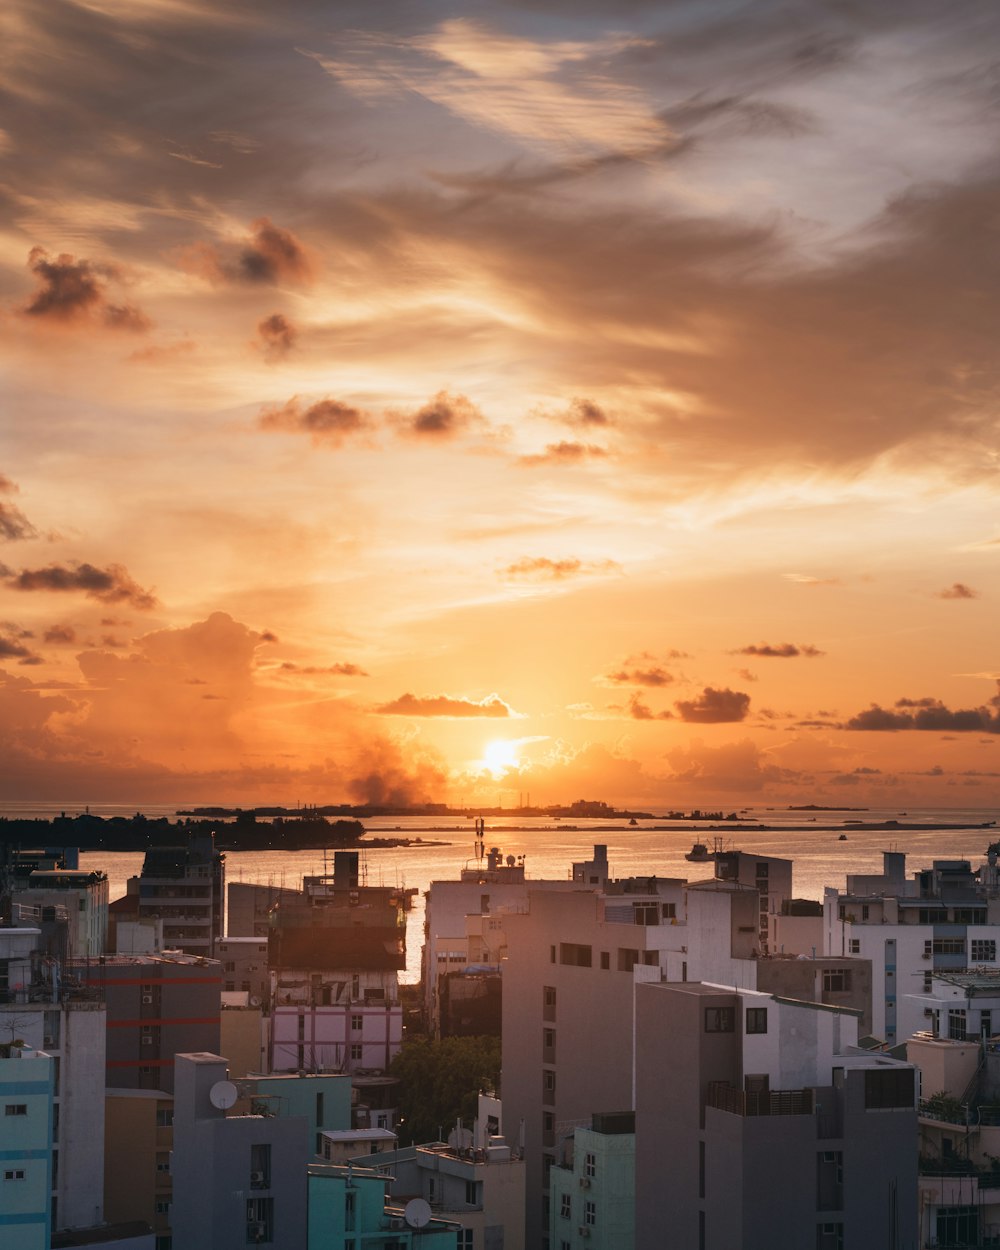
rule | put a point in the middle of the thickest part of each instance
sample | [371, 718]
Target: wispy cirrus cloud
[544, 569]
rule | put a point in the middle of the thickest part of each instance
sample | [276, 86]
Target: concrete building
[27, 1089]
[238, 1180]
[769, 876]
[573, 961]
[335, 954]
[69, 906]
[348, 1210]
[139, 1136]
[244, 967]
[183, 887]
[760, 1090]
[65, 1019]
[831, 979]
[248, 907]
[946, 919]
[157, 1006]
[593, 1186]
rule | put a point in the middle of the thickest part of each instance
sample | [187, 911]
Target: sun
[499, 756]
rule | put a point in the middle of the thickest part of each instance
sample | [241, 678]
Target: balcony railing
[727, 1097]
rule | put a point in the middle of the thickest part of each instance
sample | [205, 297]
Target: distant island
[819, 807]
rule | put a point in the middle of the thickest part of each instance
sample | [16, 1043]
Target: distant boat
[842, 838]
[633, 821]
[699, 854]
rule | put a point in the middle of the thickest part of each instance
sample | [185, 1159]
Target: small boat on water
[842, 838]
[699, 854]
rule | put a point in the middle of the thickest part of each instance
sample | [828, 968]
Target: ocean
[651, 847]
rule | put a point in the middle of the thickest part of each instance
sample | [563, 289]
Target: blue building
[27, 1087]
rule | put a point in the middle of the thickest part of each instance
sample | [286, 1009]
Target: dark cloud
[653, 676]
[542, 569]
[72, 290]
[564, 453]
[329, 422]
[338, 670]
[12, 645]
[443, 416]
[60, 635]
[639, 710]
[14, 525]
[586, 412]
[273, 254]
[780, 651]
[444, 705]
[111, 585]
[277, 336]
[931, 715]
[714, 706]
[268, 636]
[958, 590]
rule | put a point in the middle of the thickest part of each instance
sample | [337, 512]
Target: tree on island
[439, 1082]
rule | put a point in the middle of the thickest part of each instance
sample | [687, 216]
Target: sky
[466, 402]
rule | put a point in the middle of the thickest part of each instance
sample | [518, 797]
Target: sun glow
[499, 756]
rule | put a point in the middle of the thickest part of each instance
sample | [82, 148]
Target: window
[163, 1206]
[627, 959]
[357, 1050]
[829, 1237]
[836, 980]
[229, 965]
[473, 1193]
[549, 996]
[865, 911]
[466, 1239]
[720, 1020]
[590, 1213]
[260, 1166]
[957, 1025]
[970, 915]
[948, 946]
[357, 1023]
[164, 1117]
[855, 946]
[958, 1226]
[646, 913]
[566, 1207]
[590, 1165]
[14, 1174]
[549, 1080]
[552, 954]
[669, 911]
[260, 1220]
[756, 1019]
[984, 951]
[888, 1087]
[605, 960]
[16, 1108]
[162, 1163]
[575, 954]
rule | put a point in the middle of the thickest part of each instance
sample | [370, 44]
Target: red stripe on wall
[132, 1024]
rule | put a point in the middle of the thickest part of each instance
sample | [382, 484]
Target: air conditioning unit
[583, 1230]
[584, 1182]
[928, 1011]
[256, 1232]
[147, 1041]
[147, 1000]
[926, 955]
[256, 1178]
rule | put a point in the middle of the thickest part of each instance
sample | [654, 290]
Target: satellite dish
[417, 1213]
[254, 1000]
[460, 1139]
[223, 1095]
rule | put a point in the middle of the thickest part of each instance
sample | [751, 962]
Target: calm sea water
[550, 847]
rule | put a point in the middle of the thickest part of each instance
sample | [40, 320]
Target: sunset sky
[455, 401]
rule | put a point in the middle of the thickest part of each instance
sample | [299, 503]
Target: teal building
[27, 1089]
[348, 1211]
[592, 1188]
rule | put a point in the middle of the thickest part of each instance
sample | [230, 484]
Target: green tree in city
[439, 1082]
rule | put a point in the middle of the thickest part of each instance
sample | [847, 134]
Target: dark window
[566, 1207]
[605, 960]
[590, 1213]
[627, 959]
[549, 996]
[720, 1020]
[16, 1108]
[983, 951]
[836, 980]
[949, 946]
[164, 1117]
[575, 954]
[888, 1087]
[590, 1165]
[756, 1019]
[260, 1221]
[669, 911]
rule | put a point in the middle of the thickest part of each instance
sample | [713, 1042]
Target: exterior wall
[323, 1102]
[593, 1201]
[244, 967]
[720, 938]
[248, 906]
[137, 1145]
[82, 895]
[26, 1080]
[796, 935]
[805, 979]
[158, 1006]
[589, 1069]
[242, 1039]
[213, 1164]
[707, 1161]
[351, 1205]
[443, 1177]
[326, 1037]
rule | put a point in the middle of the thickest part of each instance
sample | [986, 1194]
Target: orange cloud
[445, 705]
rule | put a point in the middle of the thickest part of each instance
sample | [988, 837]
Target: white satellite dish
[223, 1095]
[417, 1213]
[460, 1139]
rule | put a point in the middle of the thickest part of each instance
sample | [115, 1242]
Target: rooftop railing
[726, 1097]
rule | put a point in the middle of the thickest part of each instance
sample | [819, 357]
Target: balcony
[726, 1097]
